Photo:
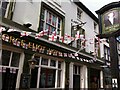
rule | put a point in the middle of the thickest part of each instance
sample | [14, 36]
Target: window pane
[4, 6]
[53, 63]
[75, 70]
[43, 14]
[5, 57]
[59, 78]
[48, 27]
[44, 61]
[59, 64]
[54, 21]
[50, 18]
[41, 25]
[15, 59]
[59, 21]
[47, 79]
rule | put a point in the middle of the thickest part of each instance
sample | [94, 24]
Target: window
[47, 79]
[79, 13]
[44, 61]
[76, 70]
[59, 78]
[59, 64]
[53, 63]
[50, 22]
[46, 74]
[97, 45]
[7, 8]
[78, 42]
[95, 26]
[10, 58]
[107, 53]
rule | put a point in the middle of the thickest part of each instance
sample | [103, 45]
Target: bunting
[25, 33]
[65, 39]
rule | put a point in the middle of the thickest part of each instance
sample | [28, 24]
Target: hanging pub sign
[111, 20]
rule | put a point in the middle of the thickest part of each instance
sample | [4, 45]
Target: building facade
[62, 38]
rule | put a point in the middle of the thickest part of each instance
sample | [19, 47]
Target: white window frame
[21, 61]
[78, 70]
[46, 23]
[49, 67]
[79, 14]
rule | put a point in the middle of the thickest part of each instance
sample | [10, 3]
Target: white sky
[94, 5]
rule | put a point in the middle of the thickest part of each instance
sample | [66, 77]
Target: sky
[94, 5]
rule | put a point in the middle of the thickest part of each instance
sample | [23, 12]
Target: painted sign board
[118, 38]
[114, 83]
[111, 20]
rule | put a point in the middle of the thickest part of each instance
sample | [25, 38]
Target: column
[71, 75]
[101, 79]
[84, 77]
[63, 75]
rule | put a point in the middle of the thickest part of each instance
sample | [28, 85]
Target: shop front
[56, 67]
[15, 70]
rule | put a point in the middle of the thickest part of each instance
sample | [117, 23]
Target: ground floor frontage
[49, 72]
[56, 66]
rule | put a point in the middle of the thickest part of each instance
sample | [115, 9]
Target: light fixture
[32, 62]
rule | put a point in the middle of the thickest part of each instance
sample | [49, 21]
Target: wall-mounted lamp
[32, 62]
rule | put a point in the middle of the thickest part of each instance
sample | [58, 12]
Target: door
[76, 82]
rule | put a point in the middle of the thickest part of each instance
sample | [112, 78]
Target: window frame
[56, 68]
[78, 42]
[55, 13]
[10, 58]
[107, 53]
[9, 9]
[79, 13]
[77, 69]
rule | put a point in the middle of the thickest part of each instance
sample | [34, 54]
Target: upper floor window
[4, 7]
[79, 13]
[50, 22]
[107, 53]
[7, 7]
[78, 43]
[97, 46]
[95, 26]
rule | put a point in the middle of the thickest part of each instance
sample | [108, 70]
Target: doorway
[94, 79]
[76, 82]
[76, 77]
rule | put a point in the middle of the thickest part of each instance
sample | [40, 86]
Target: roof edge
[85, 9]
[108, 7]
